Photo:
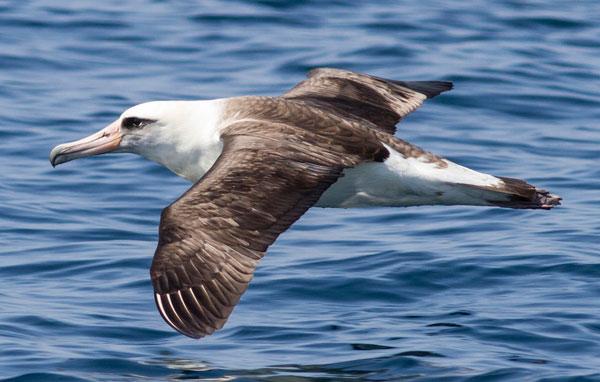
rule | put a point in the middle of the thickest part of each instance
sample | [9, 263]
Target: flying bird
[258, 163]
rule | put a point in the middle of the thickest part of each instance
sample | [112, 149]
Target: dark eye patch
[135, 123]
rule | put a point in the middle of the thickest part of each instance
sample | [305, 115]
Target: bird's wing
[380, 101]
[212, 237]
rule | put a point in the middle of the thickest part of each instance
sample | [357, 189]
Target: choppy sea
[415, 294]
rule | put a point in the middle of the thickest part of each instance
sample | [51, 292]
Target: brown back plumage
[269, 173]
[279, 155]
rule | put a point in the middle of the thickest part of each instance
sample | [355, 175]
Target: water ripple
[424, 294]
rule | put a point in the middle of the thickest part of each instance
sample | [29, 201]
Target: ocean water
[416, 294]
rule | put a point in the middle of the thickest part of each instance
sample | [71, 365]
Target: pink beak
[104, 141]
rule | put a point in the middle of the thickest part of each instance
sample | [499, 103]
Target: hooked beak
[104, 141]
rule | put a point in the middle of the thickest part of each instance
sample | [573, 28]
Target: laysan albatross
[258, 163]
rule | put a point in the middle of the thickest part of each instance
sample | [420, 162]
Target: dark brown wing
[380, 101]
[212, 237]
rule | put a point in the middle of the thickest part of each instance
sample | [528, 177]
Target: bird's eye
[135, 123]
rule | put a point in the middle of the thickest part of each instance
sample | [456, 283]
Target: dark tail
[516, 193]
[524, 195]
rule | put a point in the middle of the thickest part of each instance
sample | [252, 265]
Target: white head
[181, 135]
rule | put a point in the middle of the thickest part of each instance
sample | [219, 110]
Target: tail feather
[517, 193]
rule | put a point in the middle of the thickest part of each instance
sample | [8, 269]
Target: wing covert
[212, 238]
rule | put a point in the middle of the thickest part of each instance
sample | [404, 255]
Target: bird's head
[172, 133]
[137, 130]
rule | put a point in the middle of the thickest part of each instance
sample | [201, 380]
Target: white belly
[396, 182]
[400, 181]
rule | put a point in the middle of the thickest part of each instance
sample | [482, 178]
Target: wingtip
[430, 88]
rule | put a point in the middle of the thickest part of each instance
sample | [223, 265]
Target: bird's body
[408, 177]
[258, 163]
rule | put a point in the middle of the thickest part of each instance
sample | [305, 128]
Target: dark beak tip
[54, 155]
[52, 158]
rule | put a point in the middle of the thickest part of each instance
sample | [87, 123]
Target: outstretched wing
[212, 237]
[380, 101]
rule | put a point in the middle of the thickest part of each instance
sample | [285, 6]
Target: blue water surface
[420, 294]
